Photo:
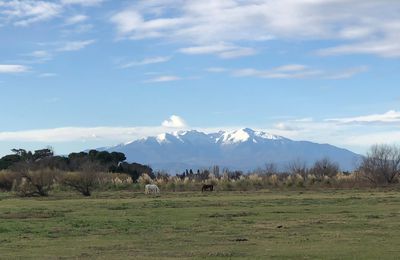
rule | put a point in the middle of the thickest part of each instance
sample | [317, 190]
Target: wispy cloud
[223, 50]
[216, 69]
[365, 27]
[146, 61]
[76, 19]
[24, 13]
[165, 78]
[391, 116]
[69, 134]
[27, 12]
[12, 68]
[386, 47]
[38, 56]
[359, 132]
[291, 71]
[82, 2]
[47, 75]
[75, 45]
[331, 131]
[348, 73]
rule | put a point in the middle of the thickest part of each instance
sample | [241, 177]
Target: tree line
[36, 173]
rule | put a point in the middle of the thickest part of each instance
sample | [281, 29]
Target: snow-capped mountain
[243, 149]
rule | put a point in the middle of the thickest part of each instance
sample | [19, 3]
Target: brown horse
[207, 187]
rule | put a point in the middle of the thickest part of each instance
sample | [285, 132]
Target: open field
[221, 225]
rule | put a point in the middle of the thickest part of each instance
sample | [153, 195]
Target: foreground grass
[252, 225]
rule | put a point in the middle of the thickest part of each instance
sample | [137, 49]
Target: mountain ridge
[242, 149]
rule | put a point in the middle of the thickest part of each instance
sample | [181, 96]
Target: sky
[80, 74]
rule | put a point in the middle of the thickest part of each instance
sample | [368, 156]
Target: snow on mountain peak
[243, 135]
[222, 137]
[268, 135]
[236, 136]
[161, 138]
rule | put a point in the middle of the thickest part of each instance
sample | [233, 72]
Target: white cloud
[24, 13]
[40, 54]
[174, 122]
[27, 12]
[292, 67]
[383, 43]
[82, 2]
[367, 27]
[126, 21]
[11, 68]
[355, 137]
[66, 134]
[285, 127]
[216, 69]
[146, 61]
[76, 19]
[348, 73]
[69, 134]
[355, 133]
[391, 116]
[388, 48]
[292, 71]
[207, 49]
[47, 75]
[165, 78]
[368, 139]
[226, 51]
[75, 45]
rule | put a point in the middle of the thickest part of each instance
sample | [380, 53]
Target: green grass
[221, 225]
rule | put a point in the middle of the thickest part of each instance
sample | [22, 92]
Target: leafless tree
[324, 167]
[85, 180]
[36, 183]
[271, 168]
[381, 165]
[298, 167]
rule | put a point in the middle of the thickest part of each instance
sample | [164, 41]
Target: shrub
[144, 179]
[381, 166]
[83, 182]
[7, 180]
[36, 183]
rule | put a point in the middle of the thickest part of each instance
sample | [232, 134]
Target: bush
[36, 183]
[83, 182]
[7, 180]
[381, 166]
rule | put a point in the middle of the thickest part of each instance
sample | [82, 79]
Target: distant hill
[243, 149]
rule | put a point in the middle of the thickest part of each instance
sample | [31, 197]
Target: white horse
[151, 188]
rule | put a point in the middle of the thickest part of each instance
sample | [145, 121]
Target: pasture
[334, 224]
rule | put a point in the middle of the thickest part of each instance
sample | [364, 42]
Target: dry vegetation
[380, 168]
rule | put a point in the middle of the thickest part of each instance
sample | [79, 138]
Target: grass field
[221, 225]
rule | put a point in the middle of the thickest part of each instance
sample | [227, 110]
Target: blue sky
[78, 74]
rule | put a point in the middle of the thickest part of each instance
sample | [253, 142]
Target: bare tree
[381, 165]
[298, 167]
[85, 180]
[36, 183]
[271, 168]
[324, 167]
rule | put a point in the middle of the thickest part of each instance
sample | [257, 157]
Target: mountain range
[243, 149]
